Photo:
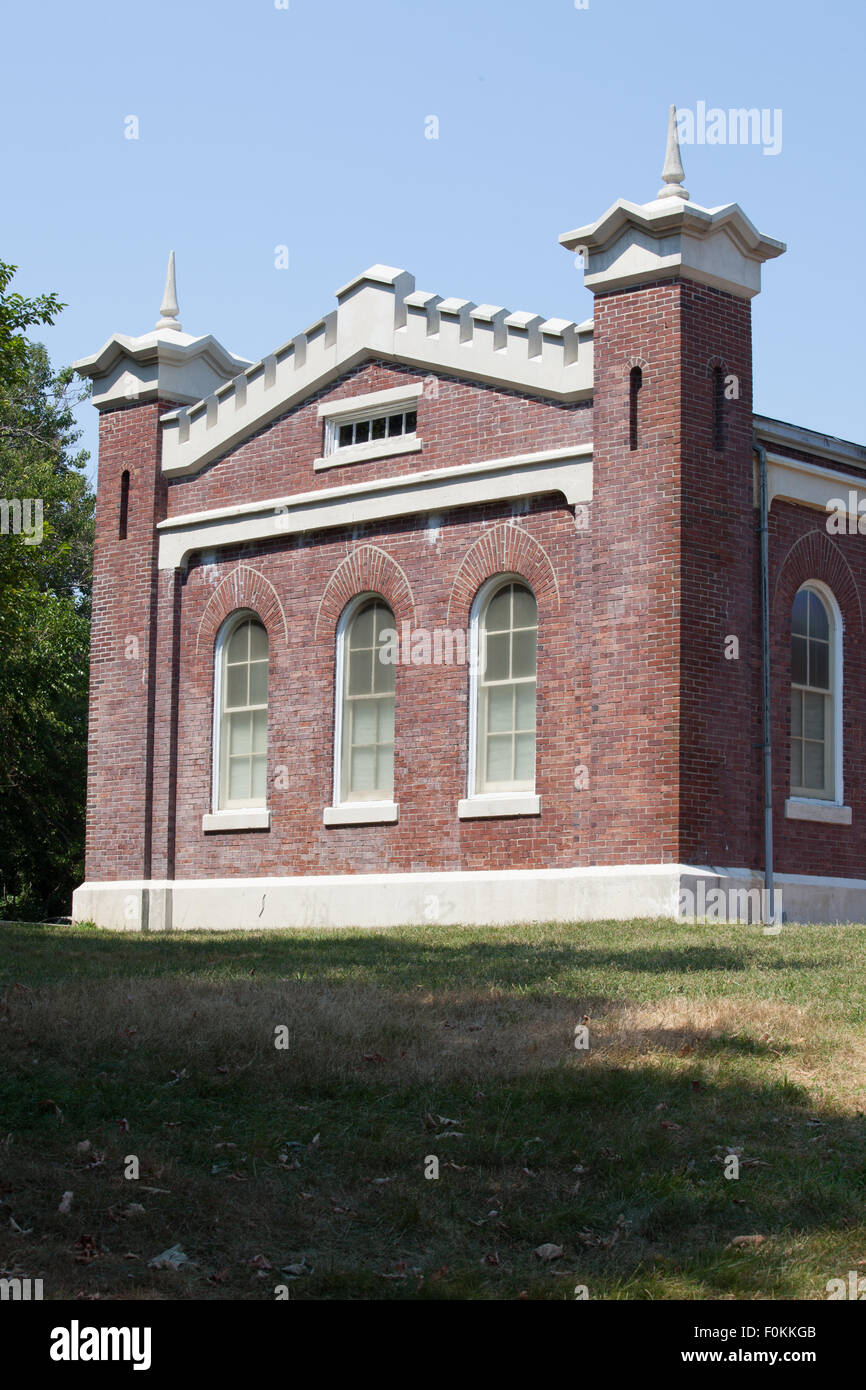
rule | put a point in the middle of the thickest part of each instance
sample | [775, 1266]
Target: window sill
[797, 808]
[478, 807]
[362, 813]
[377, 449]
[251, 818]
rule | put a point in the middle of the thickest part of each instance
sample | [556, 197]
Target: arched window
[815, 695]
[364, 754]
[503, 704]
[241, 714]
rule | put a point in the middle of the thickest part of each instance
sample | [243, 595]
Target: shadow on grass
[401, 958]
[614, 1155]
[621, 1166]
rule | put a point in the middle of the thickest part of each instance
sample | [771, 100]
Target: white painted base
[501, 898]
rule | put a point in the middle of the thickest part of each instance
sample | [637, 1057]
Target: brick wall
[634, 613]
[800, 550]
[122, 686]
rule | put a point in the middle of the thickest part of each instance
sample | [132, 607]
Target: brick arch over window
[635, 361]
[816, 556]
[365, 569]
[503, 549]
[713, 363]
[243, 587]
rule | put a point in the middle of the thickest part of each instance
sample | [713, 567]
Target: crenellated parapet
[381, 314]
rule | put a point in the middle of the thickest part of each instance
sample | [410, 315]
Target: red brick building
[443, 613]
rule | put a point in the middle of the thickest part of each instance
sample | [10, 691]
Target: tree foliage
[45, 587]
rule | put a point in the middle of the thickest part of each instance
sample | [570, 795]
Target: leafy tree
[46, 545]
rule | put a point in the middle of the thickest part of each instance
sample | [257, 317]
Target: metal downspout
[769, 890]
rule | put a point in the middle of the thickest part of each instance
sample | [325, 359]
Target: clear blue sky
[305, 127]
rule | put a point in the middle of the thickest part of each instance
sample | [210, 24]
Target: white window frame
[256, 815]
[836, 695]
[477, 804]
[342, 812]
[398, 400]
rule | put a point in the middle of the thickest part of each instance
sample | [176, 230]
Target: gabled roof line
[380, 314]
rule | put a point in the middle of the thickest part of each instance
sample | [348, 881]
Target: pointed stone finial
[169, 308]
[673, 173]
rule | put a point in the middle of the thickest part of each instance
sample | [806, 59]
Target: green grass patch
[454, 1044]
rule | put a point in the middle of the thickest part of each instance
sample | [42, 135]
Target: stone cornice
[633, 243]
[780, 435]
[165, 364]
[566, 471]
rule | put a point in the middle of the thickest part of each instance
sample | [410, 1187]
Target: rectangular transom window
[344, 434]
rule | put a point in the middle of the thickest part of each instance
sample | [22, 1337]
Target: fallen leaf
[65, 1204]
[172, 1258]
[745, 1242]
[84, 1147]
[134, 1209]
[492, 1258]
[548, 1251]
[439, 1121]
[87, 1248]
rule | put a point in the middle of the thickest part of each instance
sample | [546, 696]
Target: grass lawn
[444, 1042]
